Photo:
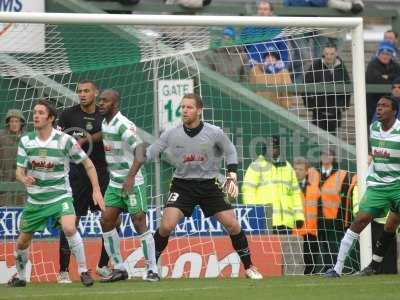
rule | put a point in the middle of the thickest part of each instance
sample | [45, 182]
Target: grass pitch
[289, 287]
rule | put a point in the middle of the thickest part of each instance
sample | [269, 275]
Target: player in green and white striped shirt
[120, 140]
[383, 181]
[42, 161]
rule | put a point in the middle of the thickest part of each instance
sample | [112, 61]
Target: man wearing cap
[9, 137]
[326, 107]
[272, 180]
[382, 69]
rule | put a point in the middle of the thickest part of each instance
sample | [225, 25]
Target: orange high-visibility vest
[330, 194]
[310, 200]
[349, 200]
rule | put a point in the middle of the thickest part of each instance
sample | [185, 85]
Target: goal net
[258, 81]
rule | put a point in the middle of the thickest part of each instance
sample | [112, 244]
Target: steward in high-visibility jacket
[334, 184]
[310, 194]
[309, 184]
[275, 183]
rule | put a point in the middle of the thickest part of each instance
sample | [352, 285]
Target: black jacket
[321, 73]
[379, 73]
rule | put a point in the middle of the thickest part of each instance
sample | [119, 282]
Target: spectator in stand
[390, 36]
[334, 184]
[355, 6]
[395, 95]
[187, 3]
[382, 69]
[257, 51]
[9, 138]
[309, 179]
[226, 60]
[272, 73]
[327, 107]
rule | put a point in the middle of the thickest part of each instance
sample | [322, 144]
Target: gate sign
[20, 37]
[170, 93]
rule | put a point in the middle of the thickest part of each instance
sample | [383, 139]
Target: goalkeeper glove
[230, 186]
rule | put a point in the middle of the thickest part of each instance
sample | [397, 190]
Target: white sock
[149, 251]
[76, 245]
[21, 258]
[345, 245]
[377, 258]
[111, 243]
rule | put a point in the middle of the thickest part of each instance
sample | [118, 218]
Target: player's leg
[212, 202]
[137, 207]
[239, 241]
[75, 242]
[65, 253]
[64, 258]
[351, 236]
[375, 202]
[81, 194]
[34, 218]
[180, 204]
[169, 220]
[102, 268]
[115, 203]
[112, 243]
[21, 258]
[383, 244]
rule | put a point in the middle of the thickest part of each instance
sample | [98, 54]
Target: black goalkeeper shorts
[185, 194]
[82, 190]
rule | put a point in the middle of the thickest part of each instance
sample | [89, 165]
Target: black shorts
[82, 190]
[185, 194]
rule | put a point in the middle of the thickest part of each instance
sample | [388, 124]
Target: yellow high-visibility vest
[275, 184]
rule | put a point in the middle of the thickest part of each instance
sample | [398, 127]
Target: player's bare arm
[92, 174]
[21, 176]
[140, 159]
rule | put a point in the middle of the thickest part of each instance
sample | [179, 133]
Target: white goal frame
[354, 24]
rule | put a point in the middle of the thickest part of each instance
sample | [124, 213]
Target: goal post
[153, 60]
